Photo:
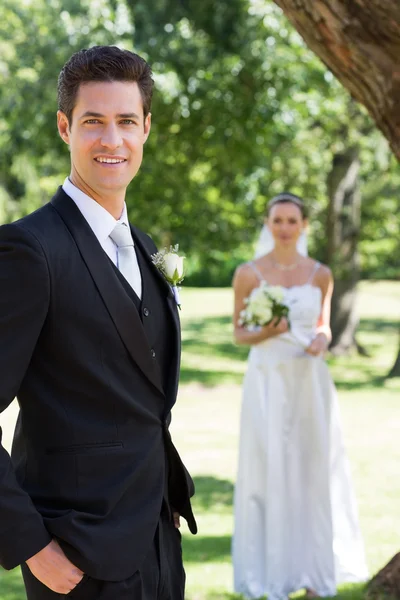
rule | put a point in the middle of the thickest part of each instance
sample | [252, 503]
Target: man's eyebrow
[90, 113]
[128, 116]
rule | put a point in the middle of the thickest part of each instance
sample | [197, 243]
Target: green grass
[11, 586]
[206, 422]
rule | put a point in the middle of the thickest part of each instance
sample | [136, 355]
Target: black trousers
[161, 577]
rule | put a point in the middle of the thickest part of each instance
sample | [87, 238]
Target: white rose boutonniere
[170, 264]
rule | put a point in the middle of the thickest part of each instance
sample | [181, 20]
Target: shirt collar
[99, 219]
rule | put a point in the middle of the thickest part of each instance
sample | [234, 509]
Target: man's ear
[63, 126]
[147, 127]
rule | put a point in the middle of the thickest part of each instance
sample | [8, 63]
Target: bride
[296, 522]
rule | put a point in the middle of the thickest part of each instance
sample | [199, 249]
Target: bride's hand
[318, 345]
[276, 328]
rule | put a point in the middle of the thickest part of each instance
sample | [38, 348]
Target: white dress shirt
[102, 224]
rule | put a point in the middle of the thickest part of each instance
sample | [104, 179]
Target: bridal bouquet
[264, 304]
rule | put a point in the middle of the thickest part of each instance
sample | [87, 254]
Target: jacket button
[146, 312]
[153, 353]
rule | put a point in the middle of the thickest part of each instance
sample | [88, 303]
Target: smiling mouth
[110, 161]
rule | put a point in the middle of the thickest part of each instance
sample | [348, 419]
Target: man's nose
[111, 137]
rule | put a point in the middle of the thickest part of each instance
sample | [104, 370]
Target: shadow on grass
[11, 585]
[381, 325]
[212, 492]
[364, 380]
[355, 372]
[208, 378]
[198, 549]
[214, 332]
[209, 339]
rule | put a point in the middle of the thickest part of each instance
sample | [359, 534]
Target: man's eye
[128, 122]
[92, 121]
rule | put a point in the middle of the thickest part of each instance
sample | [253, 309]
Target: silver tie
[126, 256]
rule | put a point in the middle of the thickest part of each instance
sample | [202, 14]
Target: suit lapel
[120, 307]
[173, 379]
[140, 240]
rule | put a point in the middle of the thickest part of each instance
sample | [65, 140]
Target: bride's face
[286, 224]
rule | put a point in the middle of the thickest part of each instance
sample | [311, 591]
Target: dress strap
[256, 270]
[315, 269]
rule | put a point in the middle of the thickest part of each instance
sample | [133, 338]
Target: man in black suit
[90, 346]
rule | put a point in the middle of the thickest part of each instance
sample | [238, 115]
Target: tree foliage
[360, 42]
[36, 38]
[242, 110]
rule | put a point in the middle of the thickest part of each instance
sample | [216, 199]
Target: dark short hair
[285, 198]
[102, 63]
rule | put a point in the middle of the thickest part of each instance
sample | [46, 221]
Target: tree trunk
[386, 583]
[395, 370]
[343, 225]
[359, 41]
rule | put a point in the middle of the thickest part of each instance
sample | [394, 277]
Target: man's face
[106, 137]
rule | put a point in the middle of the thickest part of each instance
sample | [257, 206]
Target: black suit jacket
[92, 444]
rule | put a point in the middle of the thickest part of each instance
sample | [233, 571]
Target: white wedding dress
[296, 521]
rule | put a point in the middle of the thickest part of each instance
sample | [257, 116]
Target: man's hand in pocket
[52, 568]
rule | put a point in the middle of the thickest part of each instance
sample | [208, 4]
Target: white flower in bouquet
[264, 304]
[276, 292]
[263, 314]
[260, 305]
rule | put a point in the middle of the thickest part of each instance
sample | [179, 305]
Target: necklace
[285, 267]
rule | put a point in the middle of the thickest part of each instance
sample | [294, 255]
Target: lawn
[205, 429]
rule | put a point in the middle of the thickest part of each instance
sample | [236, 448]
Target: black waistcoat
[154, 314]
[157, 323]
[156, 318]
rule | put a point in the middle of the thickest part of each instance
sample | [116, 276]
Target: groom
[90, 345]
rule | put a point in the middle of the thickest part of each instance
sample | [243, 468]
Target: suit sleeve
[24, 301]
[189, 480]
